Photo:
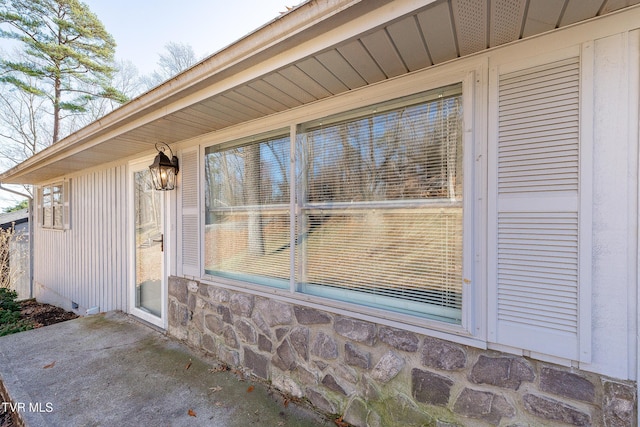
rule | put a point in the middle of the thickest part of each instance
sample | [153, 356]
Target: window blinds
[381, 209]
[247, 228]
[377, 209]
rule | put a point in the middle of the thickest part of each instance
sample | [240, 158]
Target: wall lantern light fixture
[164, 170]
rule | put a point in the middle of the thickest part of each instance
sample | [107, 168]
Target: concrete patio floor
[110, 369]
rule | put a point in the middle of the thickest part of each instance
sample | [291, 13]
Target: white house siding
[609, 130]
[610, 76]
[609, 50]
[615, 211]
[87, 264]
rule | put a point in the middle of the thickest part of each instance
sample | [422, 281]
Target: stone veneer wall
[375, 375]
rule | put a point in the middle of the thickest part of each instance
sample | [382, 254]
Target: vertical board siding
[87, 264]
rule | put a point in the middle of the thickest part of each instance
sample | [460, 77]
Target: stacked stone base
[374, 375]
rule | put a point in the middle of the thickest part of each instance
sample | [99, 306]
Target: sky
[141, 29]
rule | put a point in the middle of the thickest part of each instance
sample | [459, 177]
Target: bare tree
[23, 125]
[11, 252]
[176, 58]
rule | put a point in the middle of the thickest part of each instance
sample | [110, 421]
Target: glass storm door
[148, 296]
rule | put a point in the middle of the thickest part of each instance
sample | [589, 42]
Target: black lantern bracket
[164, 169]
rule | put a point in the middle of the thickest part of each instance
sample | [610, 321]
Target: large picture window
[377, 208]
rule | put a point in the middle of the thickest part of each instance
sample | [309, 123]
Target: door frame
[162, 321]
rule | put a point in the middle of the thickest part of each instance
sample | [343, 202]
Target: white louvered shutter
[189, 235]
[537, 222]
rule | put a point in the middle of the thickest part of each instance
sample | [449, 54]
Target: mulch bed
[39, 315]
[44, 314]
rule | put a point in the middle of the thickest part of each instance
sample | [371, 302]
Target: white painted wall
[615, 214]
[610, 49]
[611, 119]
[87, 264]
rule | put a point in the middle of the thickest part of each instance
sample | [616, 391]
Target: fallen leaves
[191, 412]
[188, 365]
[216, 388]
[218, 368]
[341, 423]
[239, 374]
[250, 389]
[50, 365]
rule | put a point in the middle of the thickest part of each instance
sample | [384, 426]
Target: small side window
[55, 206]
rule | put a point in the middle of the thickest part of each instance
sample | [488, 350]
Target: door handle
[161, 241]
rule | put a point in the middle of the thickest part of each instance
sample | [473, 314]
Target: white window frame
[472, 75]
[58, 208]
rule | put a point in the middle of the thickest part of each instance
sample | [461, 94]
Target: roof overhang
[319, 49]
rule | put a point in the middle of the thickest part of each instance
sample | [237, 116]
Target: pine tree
[67, 54]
